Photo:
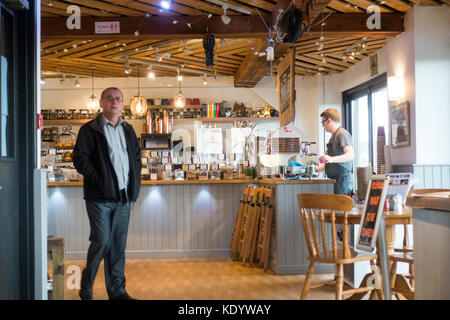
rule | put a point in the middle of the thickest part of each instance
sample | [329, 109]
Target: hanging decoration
[208, 44]
[138, 104]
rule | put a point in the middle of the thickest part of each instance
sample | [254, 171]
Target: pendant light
[93, 105]
[138, 104]
[179, 99]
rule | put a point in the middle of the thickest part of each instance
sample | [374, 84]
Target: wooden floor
[203, 279]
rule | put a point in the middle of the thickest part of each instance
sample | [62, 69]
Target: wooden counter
[189, 219]
[223, 181]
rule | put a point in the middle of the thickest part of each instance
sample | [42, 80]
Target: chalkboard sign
[373, 211]
[286, 88]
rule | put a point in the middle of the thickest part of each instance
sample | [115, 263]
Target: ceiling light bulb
[77, 84]
[180, 77]
[165, 4]
[205, 82]
[225, 19]
[166, 55]
[42, 80]
[150, 74]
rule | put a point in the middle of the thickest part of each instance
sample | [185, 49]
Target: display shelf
[156, 107]
[66, 121]
[223, 119]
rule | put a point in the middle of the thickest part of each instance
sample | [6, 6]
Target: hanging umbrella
[208, 45]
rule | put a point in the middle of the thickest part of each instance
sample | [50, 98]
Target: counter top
[435, 199]
[224, 181]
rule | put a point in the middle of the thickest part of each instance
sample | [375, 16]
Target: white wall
[432, 84]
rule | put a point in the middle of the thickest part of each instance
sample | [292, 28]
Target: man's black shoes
[124, 296]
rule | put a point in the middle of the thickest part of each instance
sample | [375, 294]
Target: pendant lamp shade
[179, 100]
[92, 104]
[138, 104]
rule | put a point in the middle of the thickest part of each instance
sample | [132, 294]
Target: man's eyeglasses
[111, 99]
[323, 121]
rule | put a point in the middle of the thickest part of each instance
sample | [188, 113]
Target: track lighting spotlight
[225, 19]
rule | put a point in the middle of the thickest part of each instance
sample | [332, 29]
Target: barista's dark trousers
[108, 237]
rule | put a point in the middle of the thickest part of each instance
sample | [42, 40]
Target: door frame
[25, 65]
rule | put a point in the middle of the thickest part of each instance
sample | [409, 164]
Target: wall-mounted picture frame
[400, 125]
[286, 88]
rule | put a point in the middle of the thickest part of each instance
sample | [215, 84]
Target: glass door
[366, 118]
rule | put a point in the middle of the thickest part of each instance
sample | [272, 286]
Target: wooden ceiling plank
[202, 5]
[176, 8]
[266, 5]
[425, 2]
[398, 5]
[364, 4]
[105, 6]
[344, 7]
[144, 8]
[318, 61]
[83, 10]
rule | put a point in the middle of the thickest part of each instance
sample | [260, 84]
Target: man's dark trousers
[109, 228]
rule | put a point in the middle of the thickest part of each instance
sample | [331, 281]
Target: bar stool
[317, 203]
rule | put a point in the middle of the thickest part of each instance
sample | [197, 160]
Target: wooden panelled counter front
[183, 219]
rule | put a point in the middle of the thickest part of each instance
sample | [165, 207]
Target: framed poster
[373, 65]
[373, 211]
[400, 128]
[286, 88]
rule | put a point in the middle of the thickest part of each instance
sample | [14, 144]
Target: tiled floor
[203, 279]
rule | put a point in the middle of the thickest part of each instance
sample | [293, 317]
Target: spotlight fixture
[223, 43]
[358, 48]
[93, 104]
[42, 80]
[166, 4]
[157, 56]
[166, 55]
[138, 104]
[150, 74]
[225, 19]
[186, 51]
[127, 66]
[77, 84]
[205, 82]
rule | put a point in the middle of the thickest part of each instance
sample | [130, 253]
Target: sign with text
[373, 211]
[107, 27]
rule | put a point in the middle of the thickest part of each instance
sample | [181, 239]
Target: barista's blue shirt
[117, 150]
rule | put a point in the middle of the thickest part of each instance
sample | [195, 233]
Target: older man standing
[107, 154]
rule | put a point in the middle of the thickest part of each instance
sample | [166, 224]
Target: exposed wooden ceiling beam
[239, 27]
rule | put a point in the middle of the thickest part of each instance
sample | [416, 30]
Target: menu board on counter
[209, 140]
[372, 214]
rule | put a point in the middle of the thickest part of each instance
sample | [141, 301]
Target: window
[6, 102]
[366, 116]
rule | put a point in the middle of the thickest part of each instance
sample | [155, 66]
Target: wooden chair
[234, 241]
[265, 228]
[251, 231]
[317, 203]
[399, 285]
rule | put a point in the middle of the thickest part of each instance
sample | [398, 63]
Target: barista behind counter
[337, 163]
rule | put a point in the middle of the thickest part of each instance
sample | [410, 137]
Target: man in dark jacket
[107, 154]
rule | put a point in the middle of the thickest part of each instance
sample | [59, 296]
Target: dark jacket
[91, 159]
